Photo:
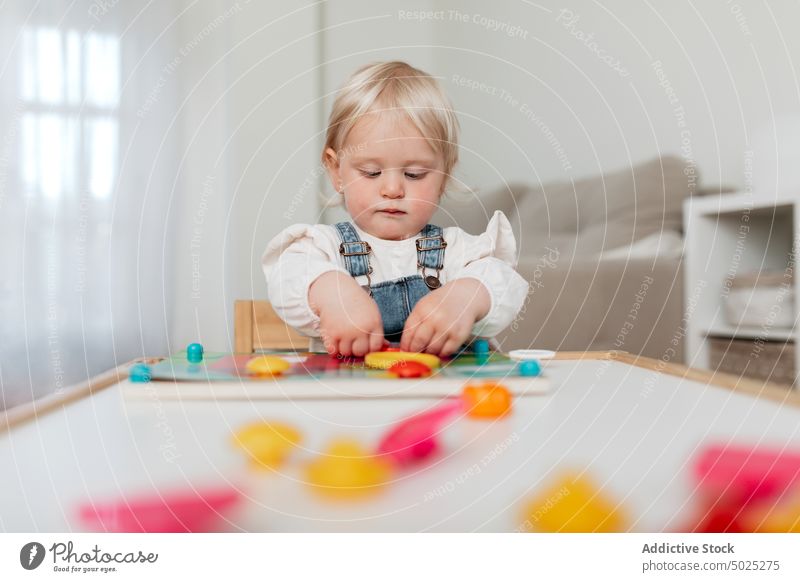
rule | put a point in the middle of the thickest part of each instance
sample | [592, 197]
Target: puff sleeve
[292, 261]
[491, 258]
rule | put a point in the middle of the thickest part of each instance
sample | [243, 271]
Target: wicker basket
[766, 360]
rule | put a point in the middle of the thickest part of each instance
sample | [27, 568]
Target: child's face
[392, 179]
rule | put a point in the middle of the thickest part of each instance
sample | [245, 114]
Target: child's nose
[392, 186]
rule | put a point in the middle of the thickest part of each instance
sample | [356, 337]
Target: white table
[632, 429]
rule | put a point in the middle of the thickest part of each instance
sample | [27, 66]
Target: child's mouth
[392, 211]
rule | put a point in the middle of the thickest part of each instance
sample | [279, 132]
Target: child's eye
[371, 173]
[416, 175]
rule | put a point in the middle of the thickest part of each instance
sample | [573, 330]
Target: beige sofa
[602, 255]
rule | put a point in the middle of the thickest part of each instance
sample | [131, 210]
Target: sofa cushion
[587, 216]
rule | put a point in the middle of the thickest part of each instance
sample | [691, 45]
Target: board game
[319, 375]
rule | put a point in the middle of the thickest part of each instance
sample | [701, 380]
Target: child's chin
[396, 233]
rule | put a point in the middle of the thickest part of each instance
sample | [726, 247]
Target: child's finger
[421, 338]
[345, 346]
[360, 346]
[437, 343]
[377, 342]
[407, 337]
[450, 346]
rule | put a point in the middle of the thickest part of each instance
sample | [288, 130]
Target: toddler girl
[389, 275]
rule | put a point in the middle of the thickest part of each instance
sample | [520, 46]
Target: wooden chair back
[257, 327]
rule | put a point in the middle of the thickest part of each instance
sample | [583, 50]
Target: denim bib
[396, 299]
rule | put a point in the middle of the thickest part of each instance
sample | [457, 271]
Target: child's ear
[331, 161]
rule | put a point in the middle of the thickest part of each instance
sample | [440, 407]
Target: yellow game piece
[774, 516]
[385, 360]
[267, 365]
[346, 470]
[573, 505]
[267, 444]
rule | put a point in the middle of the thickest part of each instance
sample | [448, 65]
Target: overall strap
[354, 250]
[430, 247]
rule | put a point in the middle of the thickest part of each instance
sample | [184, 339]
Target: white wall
[250, 121]
[729, 65]
[551, 109]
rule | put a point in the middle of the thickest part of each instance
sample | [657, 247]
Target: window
[69, 87]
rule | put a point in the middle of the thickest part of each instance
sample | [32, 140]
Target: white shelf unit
[726, 235]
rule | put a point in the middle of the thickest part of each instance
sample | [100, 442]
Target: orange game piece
[267, 444]
[346, 470]
[487, 400]
[573, 505]
[410, 369]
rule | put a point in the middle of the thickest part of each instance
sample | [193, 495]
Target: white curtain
[87, 167]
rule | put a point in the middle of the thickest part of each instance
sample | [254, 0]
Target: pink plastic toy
[415, 438]
[745, 474]
[182, 511]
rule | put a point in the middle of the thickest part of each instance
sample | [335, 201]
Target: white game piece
[522, 355]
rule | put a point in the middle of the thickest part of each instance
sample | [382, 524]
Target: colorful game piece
[739, 486]
[267, 365]
[346, 470]
[415, 438]
[180, 511]
[480, 346]
[573, 505]
[410, 369]
[779, 516]
[529, 368]
[139, 373]
[194, 353]
[267, 444]
[487, 400]
[385, 360]
[745, 474]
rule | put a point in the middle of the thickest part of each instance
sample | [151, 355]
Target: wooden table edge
[776, 392]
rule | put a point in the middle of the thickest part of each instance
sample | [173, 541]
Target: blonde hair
[396, 87]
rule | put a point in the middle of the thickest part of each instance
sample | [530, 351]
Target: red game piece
[410, 369]
[720, 516]
[415, 438]
[183, 511]
[733, 480]
[745, 474]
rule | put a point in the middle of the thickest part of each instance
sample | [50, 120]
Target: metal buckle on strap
[364, 245]
[442, 243]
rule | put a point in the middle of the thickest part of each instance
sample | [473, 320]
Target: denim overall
[395, 298]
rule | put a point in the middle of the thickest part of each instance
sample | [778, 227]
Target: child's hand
[350, 320]
[442, 320]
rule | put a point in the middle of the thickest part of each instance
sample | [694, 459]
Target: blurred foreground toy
[346, 470]
[746, 489]
[267, 444]
[415, 438]
[486, 400]
[177, 511]
[573, 505]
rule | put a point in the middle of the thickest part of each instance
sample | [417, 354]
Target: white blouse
[297, 256]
